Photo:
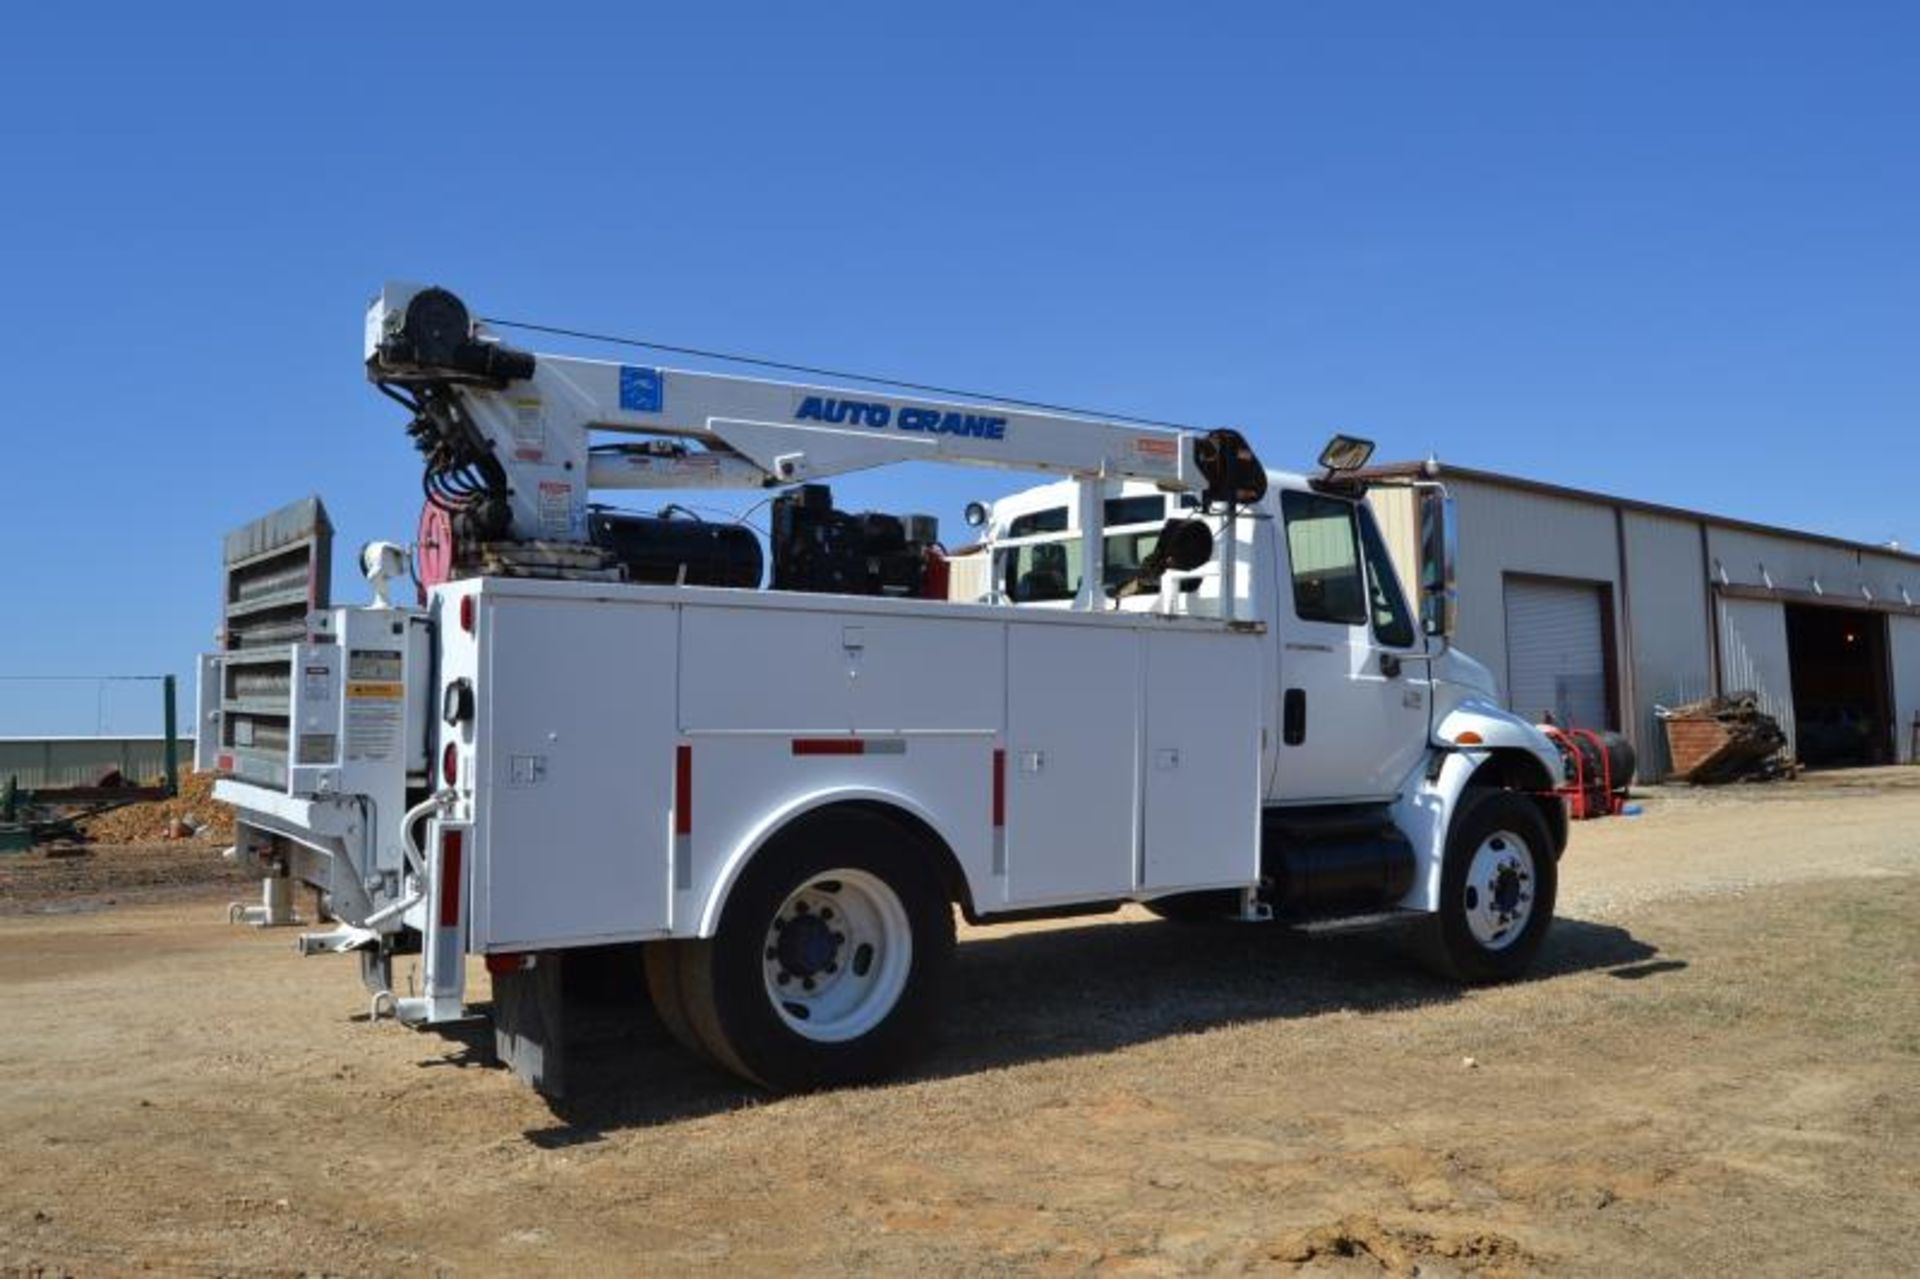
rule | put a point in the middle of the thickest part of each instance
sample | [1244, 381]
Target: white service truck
[595, 732]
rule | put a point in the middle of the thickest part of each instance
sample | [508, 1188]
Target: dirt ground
[1717, 1071]
[88, 877]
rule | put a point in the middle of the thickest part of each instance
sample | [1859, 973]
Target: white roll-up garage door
[1557, 652]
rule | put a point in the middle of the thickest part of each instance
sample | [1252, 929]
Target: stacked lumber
[1725, 739]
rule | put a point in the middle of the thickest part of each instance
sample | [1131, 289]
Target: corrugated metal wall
[1671, 648]
[1903, 634]
[1398, 515]
[1842, 574]
[46, 762]
[1753, 656]
[1506, 531]
[969, 578]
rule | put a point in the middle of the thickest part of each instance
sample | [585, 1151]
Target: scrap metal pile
[1725, 739]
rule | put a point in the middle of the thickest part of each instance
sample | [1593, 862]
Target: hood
[1455, 667]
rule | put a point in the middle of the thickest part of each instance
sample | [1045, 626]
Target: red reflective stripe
[683, 791]
[452, 844]
[999, 788]
[829, 746]
[511, 961]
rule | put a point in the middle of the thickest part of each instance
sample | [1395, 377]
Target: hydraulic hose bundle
[462, 476]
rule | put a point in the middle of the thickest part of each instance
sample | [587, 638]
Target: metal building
[1598, 609]
[45, 763]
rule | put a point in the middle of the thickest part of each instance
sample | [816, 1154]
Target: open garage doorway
[1842, 705]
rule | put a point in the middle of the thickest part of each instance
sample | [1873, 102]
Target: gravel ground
[1716, 1071]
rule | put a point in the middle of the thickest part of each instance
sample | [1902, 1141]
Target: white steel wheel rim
[837, 955]
[1499, 893]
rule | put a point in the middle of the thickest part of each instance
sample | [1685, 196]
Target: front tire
[829, 960]
[1497, 888]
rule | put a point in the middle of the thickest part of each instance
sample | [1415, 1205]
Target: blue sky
[1671, 251]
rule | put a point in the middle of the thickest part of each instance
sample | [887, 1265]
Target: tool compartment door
[577, 714]
[1201, 779]
[1072, 764]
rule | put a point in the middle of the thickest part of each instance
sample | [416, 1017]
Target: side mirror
[1439, 558]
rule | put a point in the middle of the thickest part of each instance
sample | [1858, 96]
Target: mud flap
[587, 1002]
[529, 1023]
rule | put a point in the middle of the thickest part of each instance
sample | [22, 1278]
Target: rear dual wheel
[827, 965]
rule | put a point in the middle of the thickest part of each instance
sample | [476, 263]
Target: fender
[720, 885]
[1496, 728]
[1426, 807]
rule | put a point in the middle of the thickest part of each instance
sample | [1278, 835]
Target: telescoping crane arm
[516, 441]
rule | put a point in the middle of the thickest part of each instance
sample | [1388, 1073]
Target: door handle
[1293, 717]
[1389, 666]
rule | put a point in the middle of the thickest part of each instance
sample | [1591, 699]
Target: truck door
[1355, 680]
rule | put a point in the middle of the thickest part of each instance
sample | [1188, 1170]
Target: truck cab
[1349, 694]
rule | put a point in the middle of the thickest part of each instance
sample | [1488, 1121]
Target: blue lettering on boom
[876, 414]
[821, 408]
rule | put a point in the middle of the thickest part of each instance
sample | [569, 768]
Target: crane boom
[511, 447]
[511, 454]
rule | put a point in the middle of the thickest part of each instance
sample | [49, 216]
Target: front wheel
[1497, 889]
[829, 959]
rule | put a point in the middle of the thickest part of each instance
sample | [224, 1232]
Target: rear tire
[663, 986]
[1497, 888]
[829, 961]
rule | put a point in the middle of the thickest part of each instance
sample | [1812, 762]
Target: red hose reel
[1599, 768]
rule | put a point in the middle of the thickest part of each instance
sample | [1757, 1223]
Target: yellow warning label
[374, 690]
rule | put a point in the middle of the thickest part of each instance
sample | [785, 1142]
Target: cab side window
[1324, 548]
[1042, 571]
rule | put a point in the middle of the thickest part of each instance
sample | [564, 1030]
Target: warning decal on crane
[375, 702]
[556, 510]
[529, 429]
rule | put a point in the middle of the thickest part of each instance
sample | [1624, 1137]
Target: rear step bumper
[318, 839]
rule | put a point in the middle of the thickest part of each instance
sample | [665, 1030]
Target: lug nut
[806, 983]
